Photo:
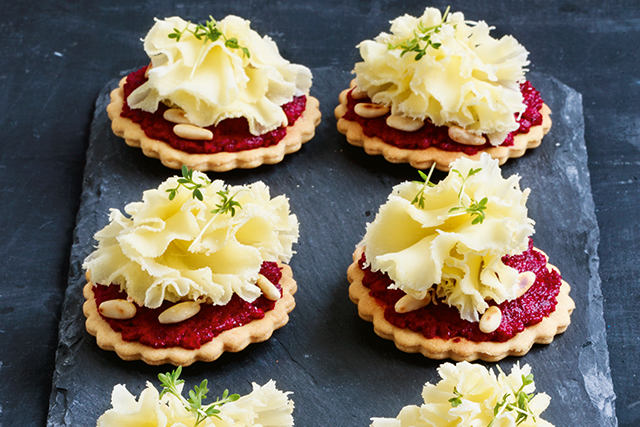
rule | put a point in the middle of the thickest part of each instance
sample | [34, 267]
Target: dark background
[58, 55]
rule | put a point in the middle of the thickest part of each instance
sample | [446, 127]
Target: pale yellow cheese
[480, 391]
[265, 405]
[212, 82]
[472, 80]
[174, 249]
[421, 248]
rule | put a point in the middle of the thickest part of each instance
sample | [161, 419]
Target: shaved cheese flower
[264, 406]
[212, 82]
[470, 79]
[175, 249]
[433, 246]
[469, 394]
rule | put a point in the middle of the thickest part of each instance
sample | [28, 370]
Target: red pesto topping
[229, 135]
[192, 333]
[442, 321]
[431, 135]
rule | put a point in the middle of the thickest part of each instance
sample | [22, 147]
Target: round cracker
[232, 340]
[458, 349]
[424, 158]
[297, 134]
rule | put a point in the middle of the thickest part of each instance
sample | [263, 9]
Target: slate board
[338, 369]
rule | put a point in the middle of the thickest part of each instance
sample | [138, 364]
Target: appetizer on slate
[450, 270]
[195, 269]
[216, 96]
[264, 406]
[438, 88]
[472, 395]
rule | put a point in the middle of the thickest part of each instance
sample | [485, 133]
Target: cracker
[301, 131]
[458, 349]
[423, 159]
[232, 340]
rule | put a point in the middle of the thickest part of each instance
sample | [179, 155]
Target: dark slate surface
[326, 355]
[57, 55]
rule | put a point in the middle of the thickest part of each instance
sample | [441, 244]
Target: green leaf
[413, 45]
[457, 399]
[209, 32]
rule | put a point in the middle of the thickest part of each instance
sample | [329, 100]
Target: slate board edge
[595, 370]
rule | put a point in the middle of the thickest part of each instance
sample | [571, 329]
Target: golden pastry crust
[232, 340]
[301, 131]
[423, 159]
[459, 349]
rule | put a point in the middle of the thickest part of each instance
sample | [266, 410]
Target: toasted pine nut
[359, 94]
[463, 136]
[268, 289]
[490, 320]
[117, 309]
[524, 281]
[192, 132]
[179, 312]
[370, 111]
[408, 303]
[404, 123]
[175, 115]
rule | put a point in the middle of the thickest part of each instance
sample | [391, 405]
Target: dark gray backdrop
[57, 56]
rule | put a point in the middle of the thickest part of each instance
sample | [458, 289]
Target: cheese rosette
[178, 249]
[471, 80]
[212, 82]
[434, 247]
[479, 391]
[265, 405]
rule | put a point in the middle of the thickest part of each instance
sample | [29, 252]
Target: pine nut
[463, 136]
[176, 115]
[370, 111]
[192, 132]
[117, 309]
[179, 312]
[490, 320]
[404, 123]
[408, 303]
[359, 94]
[268, 289]
[524, 282]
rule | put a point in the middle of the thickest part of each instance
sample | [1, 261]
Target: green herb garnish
[170, 382]
[227, 204]
[187, 182]
[520, 403]
[414, 44]
[457, 400]
[475, 208]
[210, 32]
[419, 199]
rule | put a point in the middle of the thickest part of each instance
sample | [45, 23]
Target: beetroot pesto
[431, 135]
[230, 135]
[442, 321]
[192, 333]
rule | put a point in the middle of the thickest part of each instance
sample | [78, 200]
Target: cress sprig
[227, 203]
[210, 32]
[520, 403]
[414, 44]
[419, 199]
[170, 382]
[187, 182]
[475, 208]
[457, 400]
